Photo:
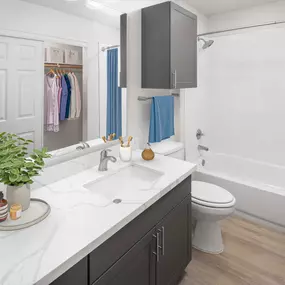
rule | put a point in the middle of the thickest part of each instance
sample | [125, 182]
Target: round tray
[37, 212]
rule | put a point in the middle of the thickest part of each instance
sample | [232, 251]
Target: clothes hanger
[51, 72]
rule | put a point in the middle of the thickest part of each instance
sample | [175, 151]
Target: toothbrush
[129, 140]
[121, 141]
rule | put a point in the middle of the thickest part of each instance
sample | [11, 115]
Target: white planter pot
[19, 195]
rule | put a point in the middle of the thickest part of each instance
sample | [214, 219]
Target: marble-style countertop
[80, 219]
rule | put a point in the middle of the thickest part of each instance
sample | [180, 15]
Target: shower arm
[201, 39]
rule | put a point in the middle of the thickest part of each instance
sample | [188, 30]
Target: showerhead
[206, 44]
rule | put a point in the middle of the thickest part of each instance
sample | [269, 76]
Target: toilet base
[208, 237]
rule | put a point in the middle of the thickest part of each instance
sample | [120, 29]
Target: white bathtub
[258, 187]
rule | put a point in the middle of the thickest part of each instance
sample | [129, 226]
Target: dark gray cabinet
[175, 246]
[169, 47]
[135, 267]
[160, 257]
[123, 49]
[153, 249]
[77, 275]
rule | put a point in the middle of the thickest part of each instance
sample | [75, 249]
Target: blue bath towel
[161, 118]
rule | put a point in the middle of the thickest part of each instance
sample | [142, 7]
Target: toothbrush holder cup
[126, 153]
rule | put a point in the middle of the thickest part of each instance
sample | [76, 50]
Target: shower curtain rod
[242, 28]
[109, 47]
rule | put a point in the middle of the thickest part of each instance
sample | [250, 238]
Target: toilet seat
[210, 195]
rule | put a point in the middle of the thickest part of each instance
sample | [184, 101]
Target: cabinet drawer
[114, 248]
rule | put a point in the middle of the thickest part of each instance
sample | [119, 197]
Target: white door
[21, 88]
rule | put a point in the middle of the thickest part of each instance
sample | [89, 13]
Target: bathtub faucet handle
[199, 134]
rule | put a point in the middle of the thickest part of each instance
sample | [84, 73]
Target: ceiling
[210, 7]
[108, 13]
[110, 10]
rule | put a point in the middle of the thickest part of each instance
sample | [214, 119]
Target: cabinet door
[135, 267]
[77, 275]
[183, 48]
[175, 242]
[123, 49]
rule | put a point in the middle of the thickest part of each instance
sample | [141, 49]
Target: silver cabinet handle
[162, 241]
[163, 244]
[175, 79]
[157, 236]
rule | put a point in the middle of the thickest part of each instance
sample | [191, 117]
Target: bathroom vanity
[102, 234]
[155, 248]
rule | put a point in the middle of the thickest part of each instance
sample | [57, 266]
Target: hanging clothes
[59, 92]
[63, 100]
[64, 91]
[78, 96]
[72, 111]
[51, 104]
[68, 97]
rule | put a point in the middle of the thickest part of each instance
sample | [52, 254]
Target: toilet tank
[169, 148]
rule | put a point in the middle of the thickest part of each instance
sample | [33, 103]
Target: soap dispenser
[148, 153]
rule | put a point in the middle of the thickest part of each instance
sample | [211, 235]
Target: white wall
[242, 110]
[44, 23]
[251, 16]
[138, 111]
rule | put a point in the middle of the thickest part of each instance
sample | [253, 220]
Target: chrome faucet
[104, 158]
[201, 147]
[84, 145]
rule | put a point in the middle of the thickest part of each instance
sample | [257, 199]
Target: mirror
[61, 71]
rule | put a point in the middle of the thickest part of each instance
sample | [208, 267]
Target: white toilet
[210, 204]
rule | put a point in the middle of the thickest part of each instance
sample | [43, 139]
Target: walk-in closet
[63, 98]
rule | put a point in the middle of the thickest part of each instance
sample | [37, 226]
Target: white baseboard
[259, 221]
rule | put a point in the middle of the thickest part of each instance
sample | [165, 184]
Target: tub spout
[201, 147]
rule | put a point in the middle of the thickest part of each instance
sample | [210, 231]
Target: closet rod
[67, 66]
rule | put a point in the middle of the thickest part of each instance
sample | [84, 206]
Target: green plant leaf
[13, 177]
[16, 168]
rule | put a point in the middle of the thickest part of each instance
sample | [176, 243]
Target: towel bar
[142, 98]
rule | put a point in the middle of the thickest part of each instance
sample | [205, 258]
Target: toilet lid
[167, 147]
[211, 195]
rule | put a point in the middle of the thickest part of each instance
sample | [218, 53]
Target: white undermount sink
[126, 183]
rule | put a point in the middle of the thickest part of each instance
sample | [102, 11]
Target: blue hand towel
[161, 118]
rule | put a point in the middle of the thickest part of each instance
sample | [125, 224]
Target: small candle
[15, 211]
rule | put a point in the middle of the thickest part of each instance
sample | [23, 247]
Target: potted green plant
[18, 167]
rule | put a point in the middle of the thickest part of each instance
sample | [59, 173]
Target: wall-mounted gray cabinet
[169, 47]
[123, 49]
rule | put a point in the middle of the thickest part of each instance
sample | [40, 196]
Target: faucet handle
[199, 134]
[104, 152]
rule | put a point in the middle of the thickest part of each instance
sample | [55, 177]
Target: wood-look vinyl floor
[253, 255]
